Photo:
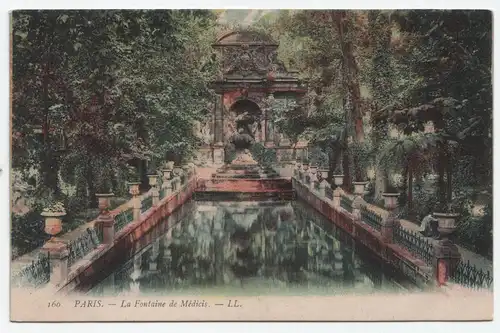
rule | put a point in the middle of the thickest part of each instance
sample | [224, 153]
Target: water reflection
[251, 247]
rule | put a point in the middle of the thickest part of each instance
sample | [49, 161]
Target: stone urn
[104, 201]
[167, 173]
[338, 180]
[324, 173]
[359, 188]
[305, 166]
[314, 169]
[134, 188]
[153, 179]
[186, 170]
[53, 219]
[390, 200]
[169, 165]
[446, 223]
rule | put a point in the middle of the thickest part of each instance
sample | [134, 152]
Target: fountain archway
[246, 114]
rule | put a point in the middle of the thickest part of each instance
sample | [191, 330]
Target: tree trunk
[350, 74]
[381, 183]
[49, 166]
[441, 190]
[334, 154]
[410, 190]
[347, 174]
[449, 170]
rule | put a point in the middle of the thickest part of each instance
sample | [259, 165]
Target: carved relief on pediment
[245, 60]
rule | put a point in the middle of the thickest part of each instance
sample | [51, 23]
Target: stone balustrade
[374, 227]
[64, 261]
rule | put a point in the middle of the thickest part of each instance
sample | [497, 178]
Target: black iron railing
[146, 203]
[329, 192]
[470, 276]
[371, 218]
[35, 274]
[346, 203]
[124, 218]
[413, 242]
[81, 246]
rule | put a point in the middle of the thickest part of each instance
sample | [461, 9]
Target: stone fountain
[243, 166]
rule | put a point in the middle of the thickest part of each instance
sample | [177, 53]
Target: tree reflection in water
[259, 246]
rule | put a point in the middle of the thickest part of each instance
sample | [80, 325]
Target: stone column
[155, 193]
[269, 129]
[218, 152]
[136, 200]
[387, 227]
[59, 254]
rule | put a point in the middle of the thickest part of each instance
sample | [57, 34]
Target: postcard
[251, 165]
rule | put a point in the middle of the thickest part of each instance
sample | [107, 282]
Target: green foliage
[113, 83]
[27, 232]
[261, 154]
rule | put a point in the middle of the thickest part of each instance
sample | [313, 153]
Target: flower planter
[53, 222]
[305, 166]
[104, 200]
[338, 180]
[446, 223]
[359, 187]
[134, 188]
[169, 165]
[314, 169]
[153, 179]
[324, 173]
[167, 173]
[390, 200]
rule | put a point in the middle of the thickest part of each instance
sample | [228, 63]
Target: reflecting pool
[252, 248]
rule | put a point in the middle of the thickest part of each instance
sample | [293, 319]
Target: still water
[252, 248]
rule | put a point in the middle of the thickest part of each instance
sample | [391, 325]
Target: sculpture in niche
[248, 123]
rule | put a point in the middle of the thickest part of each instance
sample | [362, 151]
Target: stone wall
[415, 269]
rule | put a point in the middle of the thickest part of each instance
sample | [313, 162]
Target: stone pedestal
[323, 186]
[446, 253]
[387, 227]
[313, 180]
[168, 188]
[446, 259]
[167, 173]
[336, 196]
[356, 208]
[136, 201]
[107, 224]
[218, 153]
[59, 254]
[155, 193]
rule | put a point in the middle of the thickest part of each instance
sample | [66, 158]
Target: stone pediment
[250, 54]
